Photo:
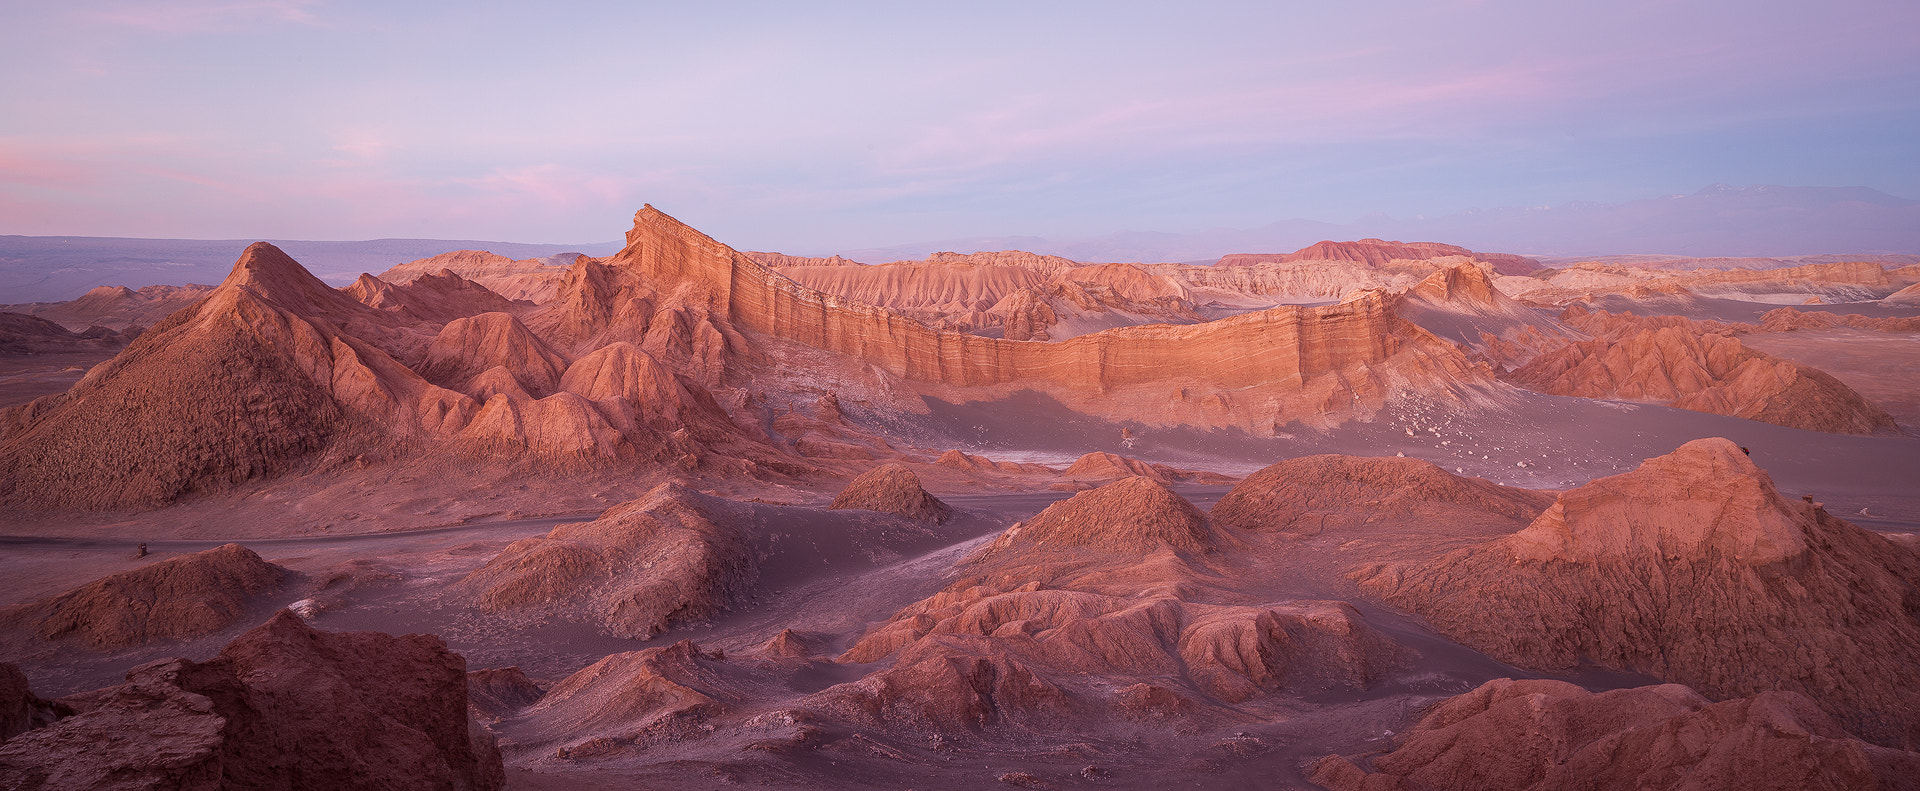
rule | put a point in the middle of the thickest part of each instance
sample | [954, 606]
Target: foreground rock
[1692, 569]
[893, 489]
[20, 710]
[282, 706]
[1536, 735]
[174, 599]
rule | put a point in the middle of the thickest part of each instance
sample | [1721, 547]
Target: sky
[816, 127]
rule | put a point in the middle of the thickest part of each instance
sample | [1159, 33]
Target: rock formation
[1691, 569]
[892, 489]
[533, 279]
[1102, 466]
[641, 568]
[173, 599]
[1536, 735]
[1378, 252]
[436, 298]
[782, 260]
[115, 307]
[1343, 494]
[282, 706]
[1090, 612]
[20, 709]
[1705, 373]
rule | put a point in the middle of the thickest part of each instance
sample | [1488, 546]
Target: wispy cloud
[200, 16]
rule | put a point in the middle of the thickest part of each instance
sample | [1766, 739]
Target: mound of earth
[667, 558]
[1102, 466]
[1692, 569]
[173, 599]
[282, 706]
[1538, 735]
[1311, 494]
[1133, 515]
[1705, 373]
[892, 489]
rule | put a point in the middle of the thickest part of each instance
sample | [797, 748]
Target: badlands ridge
[1369, 515]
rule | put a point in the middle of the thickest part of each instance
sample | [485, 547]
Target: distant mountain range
[53, 268]
[1718, 221]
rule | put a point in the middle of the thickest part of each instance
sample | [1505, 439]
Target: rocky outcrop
[1343, 494]
[671, 557]
[782, 260]
[250, 381]
[955, 292]
[1705, 373]
[282, 706]
[533, 280]
[20, 709]
[1691, 569]
[436, 298]
[1378, 252]
[1258, 371]
[1537, 735]
[174, 599]
[1906, 296]
[892, 489]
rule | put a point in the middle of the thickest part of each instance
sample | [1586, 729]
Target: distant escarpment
[1691, 569]
[1379, 251]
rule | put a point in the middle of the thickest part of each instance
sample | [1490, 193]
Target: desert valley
[1367, 515]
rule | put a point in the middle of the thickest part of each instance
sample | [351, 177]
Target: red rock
[20, 710]
[1536, 735]
[1311, 494]
[1378, 251]
[1705, 373]
[641, 568]
[1133, 516]
[173, 599]
[1691, 569]
[282, 706]
[892, 489]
